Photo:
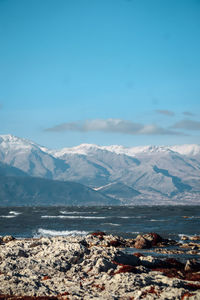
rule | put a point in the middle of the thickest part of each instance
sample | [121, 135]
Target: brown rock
[142, 243]
[153, 237]
[115, 243]
[195, 238]
[184, 238]
[7, 238]
[192, 265]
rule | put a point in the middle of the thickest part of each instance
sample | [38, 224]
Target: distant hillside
[146, 174]
[6, 170]
[123, 192]
[30, 191]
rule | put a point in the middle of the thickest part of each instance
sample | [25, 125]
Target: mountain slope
[155, 172]
[6, 170]
[119, 190]
[30, 158]
[30, 191]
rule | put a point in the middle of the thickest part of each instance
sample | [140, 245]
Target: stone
[142, 243]
[7, 238]
[195, 238]
[87, 268]
[153, 238]
[21, 253]
[184, 238]
[192, 265]
[126, 259]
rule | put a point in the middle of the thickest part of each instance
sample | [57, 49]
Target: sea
[127, 221]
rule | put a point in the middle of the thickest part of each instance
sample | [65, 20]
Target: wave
[10, 216]
[112, 224]
[15, 213]
[48, 232]
[191, 217]
[72, 217]
[162, 220]
[77, 212]
[188, 235]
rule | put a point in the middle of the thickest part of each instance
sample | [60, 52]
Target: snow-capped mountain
[30, 158]
[147, 173]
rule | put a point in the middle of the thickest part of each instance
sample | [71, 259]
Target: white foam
[72, 217]
[188, 235]
[153, 220]
[10, 216]
[16, 213]
[77, 212]
[112, 224]
[48, 232]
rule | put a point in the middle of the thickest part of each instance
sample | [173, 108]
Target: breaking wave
[77, 212]
[71, 217]
[15, 213]
[48, 232]
[9, 216]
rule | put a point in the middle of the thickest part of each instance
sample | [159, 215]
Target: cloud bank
[187, 124]
[112, 126]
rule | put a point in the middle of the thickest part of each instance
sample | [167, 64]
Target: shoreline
[96, 266]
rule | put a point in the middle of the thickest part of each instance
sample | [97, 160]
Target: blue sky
[100, 71]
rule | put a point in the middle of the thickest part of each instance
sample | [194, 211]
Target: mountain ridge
[154, 172]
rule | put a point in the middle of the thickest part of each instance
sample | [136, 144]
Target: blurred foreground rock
[92, 267]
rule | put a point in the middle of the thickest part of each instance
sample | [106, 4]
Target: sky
[100, 71]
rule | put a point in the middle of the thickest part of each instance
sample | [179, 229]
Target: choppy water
[169, 221]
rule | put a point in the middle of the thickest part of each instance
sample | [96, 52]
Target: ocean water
[127, 221]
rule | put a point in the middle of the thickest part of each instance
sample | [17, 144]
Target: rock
[184, 238]
[192, 265]
[138, 254]
[21, 253]
[126, 269]
[103, 265]
[142, 243]
[7, 238]
[151, 262]
[195, 238]
[126, 259]
[115, 243]
[173, 263]
[147, 240]
[153, 238]
[98, 233]
[86, 268]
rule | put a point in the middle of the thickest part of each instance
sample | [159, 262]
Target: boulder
[126, 259]
[153, 238]
[147, 240]
[7, 238]
[192, 266]
[142, 243]
[195, 238]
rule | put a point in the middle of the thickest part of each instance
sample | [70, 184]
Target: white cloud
[112, 125]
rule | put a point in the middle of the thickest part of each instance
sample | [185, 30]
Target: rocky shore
[97, 266]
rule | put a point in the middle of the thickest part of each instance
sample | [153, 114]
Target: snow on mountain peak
[10, 141]
[14, 143]
[188, 149]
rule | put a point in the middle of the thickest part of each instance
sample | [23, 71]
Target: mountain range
[115, 174]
